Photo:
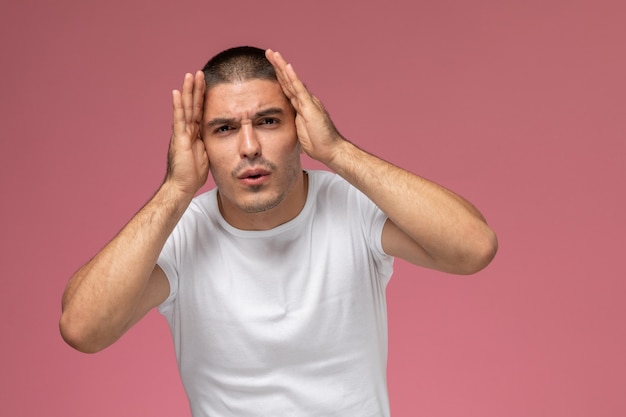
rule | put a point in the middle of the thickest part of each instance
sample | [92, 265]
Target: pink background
[518, 105]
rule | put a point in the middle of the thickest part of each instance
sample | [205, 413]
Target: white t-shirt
[290, 321]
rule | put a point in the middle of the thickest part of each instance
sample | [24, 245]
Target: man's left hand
[317, 134]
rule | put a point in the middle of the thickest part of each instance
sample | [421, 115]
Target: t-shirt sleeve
[373, 221]
[168, 262]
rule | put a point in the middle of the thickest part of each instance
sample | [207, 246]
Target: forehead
[243, 99]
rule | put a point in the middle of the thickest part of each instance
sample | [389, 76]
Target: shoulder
[204, 204]
[202, 210]
[333, 193]
[322, 182]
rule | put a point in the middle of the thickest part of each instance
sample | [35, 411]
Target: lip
[254, 176]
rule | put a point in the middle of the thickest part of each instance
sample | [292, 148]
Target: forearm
[449, 228]
[102, 296]
[429, 226]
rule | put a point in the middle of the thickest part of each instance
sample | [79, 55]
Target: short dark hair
[240, 63]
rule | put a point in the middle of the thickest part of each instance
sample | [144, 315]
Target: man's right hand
[188, 162]
[119, 285]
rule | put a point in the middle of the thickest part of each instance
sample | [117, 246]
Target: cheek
[292, 158]
[216, 159]
[289, 141]
[214, 150]
[296, 149]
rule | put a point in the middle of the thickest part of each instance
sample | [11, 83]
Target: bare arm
[122, 283]
[428, 225]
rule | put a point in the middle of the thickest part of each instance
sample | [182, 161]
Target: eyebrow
[261, 113]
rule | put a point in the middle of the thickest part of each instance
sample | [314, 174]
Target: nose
[249, 145]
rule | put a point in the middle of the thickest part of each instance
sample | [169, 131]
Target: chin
[260, 205]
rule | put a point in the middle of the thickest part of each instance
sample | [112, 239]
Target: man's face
[254, 154]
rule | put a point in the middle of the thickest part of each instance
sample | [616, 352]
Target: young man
[274, 282]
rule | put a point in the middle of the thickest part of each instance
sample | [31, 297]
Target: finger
[297, 86]
[276, 60]
[279, 65]
[292, 86]
[200, 152]
[187, 98]
[178, 117]
[198, 97]
[300, 95]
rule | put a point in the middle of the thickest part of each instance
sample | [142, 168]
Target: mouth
[253, 173]
[254, 176]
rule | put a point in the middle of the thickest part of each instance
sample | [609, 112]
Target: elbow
[473, 256]
[74, 333]
[483, 251]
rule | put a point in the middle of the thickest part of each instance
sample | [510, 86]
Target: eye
[268, 121]
[222, 129]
